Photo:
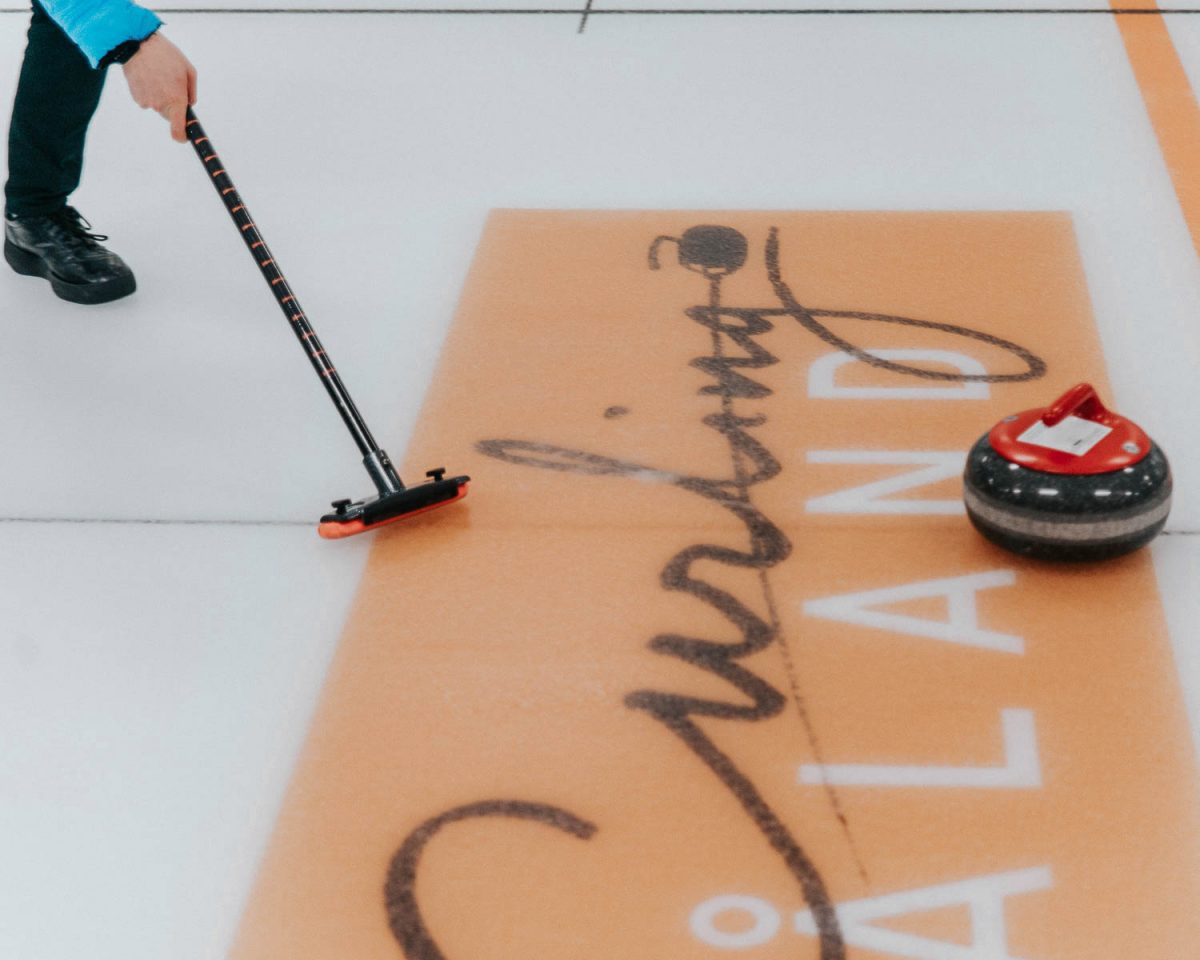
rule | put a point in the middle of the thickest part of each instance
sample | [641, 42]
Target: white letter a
[962, 626]
[983, 896]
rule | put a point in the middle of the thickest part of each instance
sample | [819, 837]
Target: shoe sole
[31, 265]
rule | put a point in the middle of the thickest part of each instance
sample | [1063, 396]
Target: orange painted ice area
[503, 767]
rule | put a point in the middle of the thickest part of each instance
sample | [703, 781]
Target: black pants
[57, 95]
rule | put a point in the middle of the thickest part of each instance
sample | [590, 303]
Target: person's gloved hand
[161, 79]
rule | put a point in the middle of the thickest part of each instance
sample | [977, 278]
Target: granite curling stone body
[1073, 481]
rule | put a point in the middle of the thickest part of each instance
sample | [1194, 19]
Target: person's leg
[57, 94]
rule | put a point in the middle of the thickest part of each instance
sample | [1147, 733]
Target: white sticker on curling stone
[1072, 435]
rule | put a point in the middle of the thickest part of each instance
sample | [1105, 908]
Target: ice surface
[158, 679]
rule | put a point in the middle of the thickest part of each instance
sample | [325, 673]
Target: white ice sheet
[155, 686]
[156, 680]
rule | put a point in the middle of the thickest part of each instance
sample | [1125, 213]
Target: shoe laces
[75, 227]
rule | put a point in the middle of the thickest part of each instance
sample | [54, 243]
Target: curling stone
[1072, 481]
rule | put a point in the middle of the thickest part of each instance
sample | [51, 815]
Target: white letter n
[935, 465]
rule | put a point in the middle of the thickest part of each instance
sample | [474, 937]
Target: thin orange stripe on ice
[1170, 102]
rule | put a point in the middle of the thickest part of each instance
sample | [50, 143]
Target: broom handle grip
[284, 296]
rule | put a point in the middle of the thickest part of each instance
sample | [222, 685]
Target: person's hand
[161, 79]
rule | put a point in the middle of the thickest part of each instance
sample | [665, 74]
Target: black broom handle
[279, 286]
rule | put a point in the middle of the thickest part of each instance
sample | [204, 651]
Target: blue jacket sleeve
[96, 26]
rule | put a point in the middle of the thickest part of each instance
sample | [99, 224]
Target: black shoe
[60, 248]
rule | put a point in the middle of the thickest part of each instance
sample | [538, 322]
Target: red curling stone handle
[1081, 400]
